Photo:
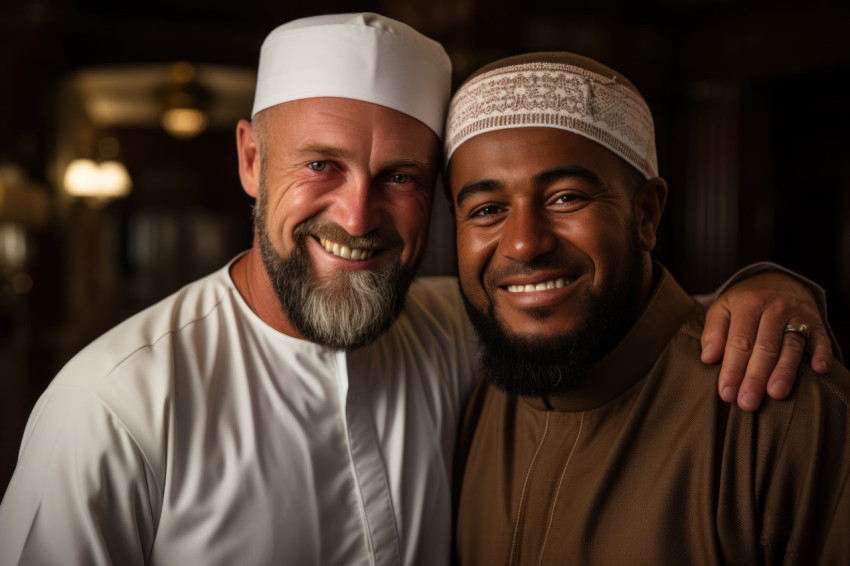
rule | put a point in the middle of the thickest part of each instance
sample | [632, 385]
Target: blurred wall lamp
[100, 182]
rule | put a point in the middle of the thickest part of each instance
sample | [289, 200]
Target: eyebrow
[569, 172]
[470, 189]
[326, 150]
[331, 151]
[402, 162]
[543, 178]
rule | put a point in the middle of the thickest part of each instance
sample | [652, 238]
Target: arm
[745, 327]
[79, 494]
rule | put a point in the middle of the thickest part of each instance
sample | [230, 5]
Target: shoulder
[77, 460]
[434, 306]
[434, 293]
[817, 398]
[124, 384]
[800, 447]
[191, 308]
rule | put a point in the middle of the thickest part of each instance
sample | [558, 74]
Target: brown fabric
[645, 465]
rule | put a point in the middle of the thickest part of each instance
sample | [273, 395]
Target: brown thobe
[644, 464]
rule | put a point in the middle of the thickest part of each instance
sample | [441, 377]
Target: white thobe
[194, 433]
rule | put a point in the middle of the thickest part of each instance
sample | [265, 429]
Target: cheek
[608, 250]
[285, 209]
[475, 250]
[418, 213]
[412, 215]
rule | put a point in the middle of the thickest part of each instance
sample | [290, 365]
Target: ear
[248, 149]
[648, 205]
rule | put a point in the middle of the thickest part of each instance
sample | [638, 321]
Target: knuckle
[785, 369]
[755, 378]
[818, 330]
[731, 372]
[730, 379]
[781, 304]
[768, 348]
[743, 344]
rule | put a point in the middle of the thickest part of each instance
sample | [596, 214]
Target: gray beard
[554, 365]
[344, 311]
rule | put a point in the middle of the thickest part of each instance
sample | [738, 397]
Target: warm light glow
[105, 181]
[13, 247]
[184, 123]
[182, 72]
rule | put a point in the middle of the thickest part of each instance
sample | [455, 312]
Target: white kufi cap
[364, 57]
[556, 90]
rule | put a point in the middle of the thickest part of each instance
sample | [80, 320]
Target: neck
[253, 283]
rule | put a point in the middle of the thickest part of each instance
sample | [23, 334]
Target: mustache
[376, 239]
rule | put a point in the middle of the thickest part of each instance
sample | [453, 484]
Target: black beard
[346, 310]
[554, 365]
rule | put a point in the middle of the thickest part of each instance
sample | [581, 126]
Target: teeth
[346, 252]
[558, 283]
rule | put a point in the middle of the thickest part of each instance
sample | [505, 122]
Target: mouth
[345, 252]
[558, 283]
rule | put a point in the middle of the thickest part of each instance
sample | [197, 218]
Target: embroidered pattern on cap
[560, 96]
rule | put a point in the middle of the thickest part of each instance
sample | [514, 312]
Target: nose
[526, 235]
[357, 206]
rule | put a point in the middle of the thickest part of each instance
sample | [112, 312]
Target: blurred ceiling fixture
[100, 182]
[138, 96]
[185, 103]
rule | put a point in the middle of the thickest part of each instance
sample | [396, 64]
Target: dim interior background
[118, 180]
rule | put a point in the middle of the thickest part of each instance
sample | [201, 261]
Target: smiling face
[344, 192]
[554, 233]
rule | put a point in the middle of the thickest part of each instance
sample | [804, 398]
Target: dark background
[750, 100]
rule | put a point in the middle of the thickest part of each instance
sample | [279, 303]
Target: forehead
[516, 154]
[343, 121]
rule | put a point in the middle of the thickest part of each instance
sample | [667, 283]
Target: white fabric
[360, 56]
[193, 433]
[555, 95]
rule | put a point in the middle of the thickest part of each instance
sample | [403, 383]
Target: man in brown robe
[599, 437]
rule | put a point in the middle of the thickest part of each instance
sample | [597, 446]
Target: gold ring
[800, 329]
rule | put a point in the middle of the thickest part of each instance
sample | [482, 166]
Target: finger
[763, 360]
[713, 339]
[736, 355]
[820, 347]
[783, 375]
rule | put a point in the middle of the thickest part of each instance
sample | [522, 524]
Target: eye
[567, 198]
[318, 166]
[399, 178]
[568, 201]
[486, 211]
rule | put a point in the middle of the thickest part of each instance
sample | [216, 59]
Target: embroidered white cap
[556, 90]
[363, 56]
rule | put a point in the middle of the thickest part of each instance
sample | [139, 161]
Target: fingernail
[778, 388]
[707, 348]
[728, 394]
[748, 401]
